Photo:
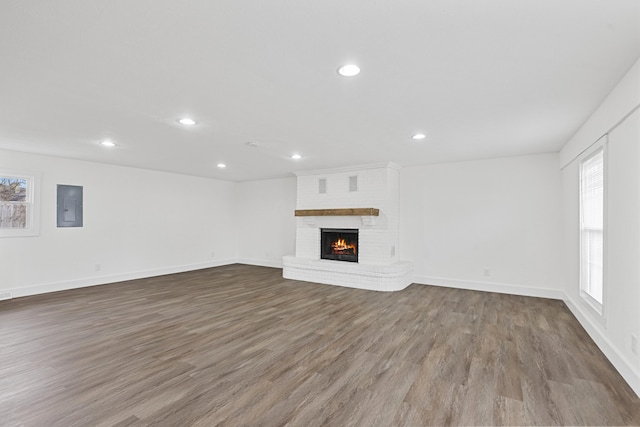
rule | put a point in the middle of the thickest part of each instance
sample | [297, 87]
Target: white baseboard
[501, 288]
[260, 262]
[625, 367]
[103, 280]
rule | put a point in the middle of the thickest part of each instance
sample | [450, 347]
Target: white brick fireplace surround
[370, 186]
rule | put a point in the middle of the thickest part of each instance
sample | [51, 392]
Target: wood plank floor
[240, 345]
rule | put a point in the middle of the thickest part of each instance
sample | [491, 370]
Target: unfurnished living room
[343, 213]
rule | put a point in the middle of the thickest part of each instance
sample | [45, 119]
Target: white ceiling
[482, 78]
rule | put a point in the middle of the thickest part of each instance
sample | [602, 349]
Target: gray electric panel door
[69, 206]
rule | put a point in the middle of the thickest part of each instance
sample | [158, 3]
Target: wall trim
[104, 280]
[381, 165]
[501, 288]
[623, 365]
[45, 288]
[260, 262]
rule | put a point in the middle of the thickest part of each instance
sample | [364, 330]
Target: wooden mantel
[338, 212]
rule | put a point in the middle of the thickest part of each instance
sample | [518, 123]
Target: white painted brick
[378, 187]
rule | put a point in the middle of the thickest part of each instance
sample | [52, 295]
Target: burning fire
[341, 246]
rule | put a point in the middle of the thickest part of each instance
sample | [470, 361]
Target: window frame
[595, 305]
[33, 200]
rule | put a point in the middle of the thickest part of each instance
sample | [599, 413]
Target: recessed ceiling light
[419, 136]
[222, 165]
[296, 156]
[107, 143]
[349, 70]
[187, 121]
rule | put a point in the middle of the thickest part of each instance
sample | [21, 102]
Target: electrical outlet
[213, 254]
[98, 267]
[486, 272]
[634, 344]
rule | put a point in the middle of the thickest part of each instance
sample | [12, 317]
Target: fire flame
[340, 246]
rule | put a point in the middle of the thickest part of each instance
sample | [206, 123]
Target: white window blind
[592, 226]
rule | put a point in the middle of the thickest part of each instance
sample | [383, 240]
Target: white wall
[136, 223]
[266, 221]
[622, 228]
[502, 215]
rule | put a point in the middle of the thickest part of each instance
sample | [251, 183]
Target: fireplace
[339, 244]
[327, 203]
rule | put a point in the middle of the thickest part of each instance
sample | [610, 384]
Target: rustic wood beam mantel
[338, 212]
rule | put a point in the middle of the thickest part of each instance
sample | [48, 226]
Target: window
[592, 228]
[18, 204]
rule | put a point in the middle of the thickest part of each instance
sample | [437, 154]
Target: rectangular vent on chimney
[353, 183]
[322, 185]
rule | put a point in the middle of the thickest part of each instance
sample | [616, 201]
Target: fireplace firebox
[339, 244]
